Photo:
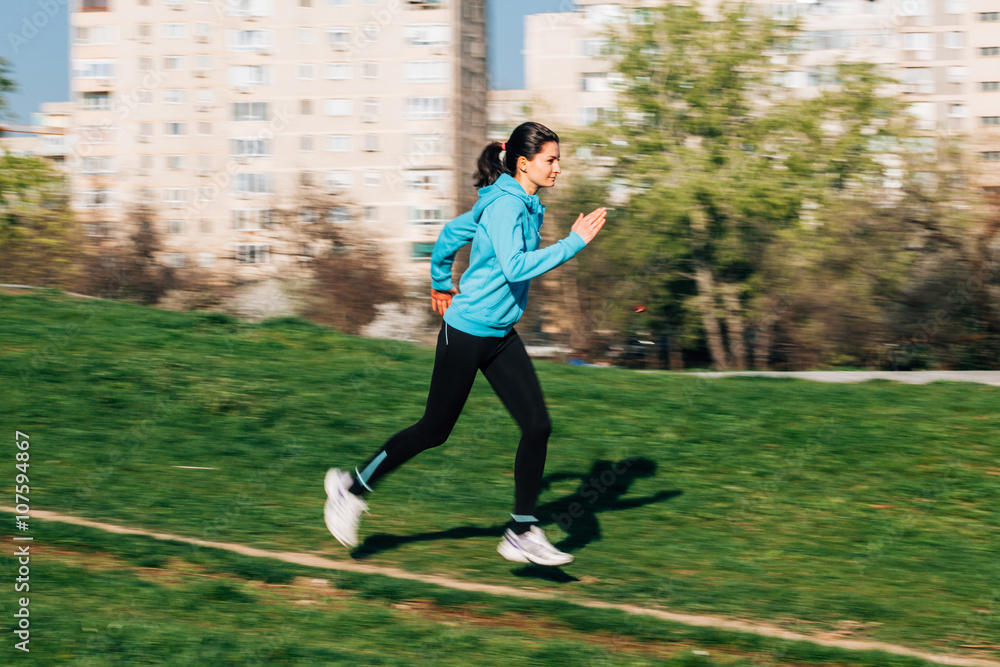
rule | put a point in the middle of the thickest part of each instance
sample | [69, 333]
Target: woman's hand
[588, 225]
[441, 300]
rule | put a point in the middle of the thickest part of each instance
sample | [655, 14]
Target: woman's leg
[456, 362]
[512, 376]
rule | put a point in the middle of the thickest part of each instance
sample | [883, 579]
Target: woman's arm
[455, 234]
[504, 223]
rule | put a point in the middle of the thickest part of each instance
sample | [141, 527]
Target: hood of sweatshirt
[505, 185]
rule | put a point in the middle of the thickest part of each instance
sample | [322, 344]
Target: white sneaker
[531, 547]
[343, 509]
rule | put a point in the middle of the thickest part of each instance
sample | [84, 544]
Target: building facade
[223, 116]
[945, 54]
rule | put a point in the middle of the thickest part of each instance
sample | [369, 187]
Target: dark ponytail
[526, 140]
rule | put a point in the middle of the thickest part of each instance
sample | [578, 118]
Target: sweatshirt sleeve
[504, 222]
[455, 234]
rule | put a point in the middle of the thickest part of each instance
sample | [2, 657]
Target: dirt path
[720, 622]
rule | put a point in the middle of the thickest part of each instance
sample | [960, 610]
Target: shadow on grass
[600, 490]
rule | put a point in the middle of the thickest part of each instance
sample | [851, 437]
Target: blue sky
[34, 38]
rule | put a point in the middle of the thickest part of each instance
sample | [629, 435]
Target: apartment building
[47, 135]
[945, 53]
[222, 115]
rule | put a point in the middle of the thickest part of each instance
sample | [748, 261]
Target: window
[252, 183]
[373, 143]
[918, 80]
[174, 63]
[338, 3]
[145, 64]
[956, 74]
[426, 144]
[249, 75]
[250, 40]
[206, 259]
[958, 110]
[426, 71]
[595, 48]
[989, 86]
[204, 128]
[97, 101]
[175, 197]
[369, 70]
[990, 121]
[338, 181]
[591, 115]
[250, 7]
[174, 96]
[369, 214]
[595, 82]
[250, 111]
[307, 179]
[251, 147]
[426, 108]
[338, 143]
[925, 114]
[173, 30]
[253, 253]
[177, 260]
[339, 38]
[307, 143]
[308, 216]
[305, 107]
[176, 162]
[99, 198]
[425, 215]
[989, 51]
[204, 98]
[203, 63]
[305, 35]
[94, 69]
[95, 5]
[370, 109]
[339, 71]
[427, 180]
[203, 31]
[988, 17]
[338, 214]
[604, 14]
[95, 34]
[371, 32]
[250, 219]
[96, 166]
[373, 179]
[306, 71]
[955, 6]
[422, 250]
[990, 156]
[954, 40]
[175, 128]
[175, 226]
[922, 42]
[427, 34]
[339, 107]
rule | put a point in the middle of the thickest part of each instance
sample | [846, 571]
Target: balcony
[95, 6]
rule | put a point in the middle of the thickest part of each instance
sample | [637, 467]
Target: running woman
[478, 335]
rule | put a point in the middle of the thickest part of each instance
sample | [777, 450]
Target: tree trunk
[762, 345]
[734, 326]
[709, 318]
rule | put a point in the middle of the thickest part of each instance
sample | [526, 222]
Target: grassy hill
[868, 511]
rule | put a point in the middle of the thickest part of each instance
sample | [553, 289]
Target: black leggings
[507, 367]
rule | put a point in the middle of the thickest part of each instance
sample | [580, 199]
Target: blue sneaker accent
[524, 518]
[367, 473]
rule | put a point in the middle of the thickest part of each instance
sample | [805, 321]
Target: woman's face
[544, 167]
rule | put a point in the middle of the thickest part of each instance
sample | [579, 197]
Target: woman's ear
[522, 163]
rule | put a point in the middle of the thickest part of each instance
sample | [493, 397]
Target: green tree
[718, 161]
[39, 239]
[7, 85]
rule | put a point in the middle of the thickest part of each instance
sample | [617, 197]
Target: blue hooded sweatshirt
[504, 229]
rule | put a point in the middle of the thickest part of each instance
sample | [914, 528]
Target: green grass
[779, 500]
[97, 600]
